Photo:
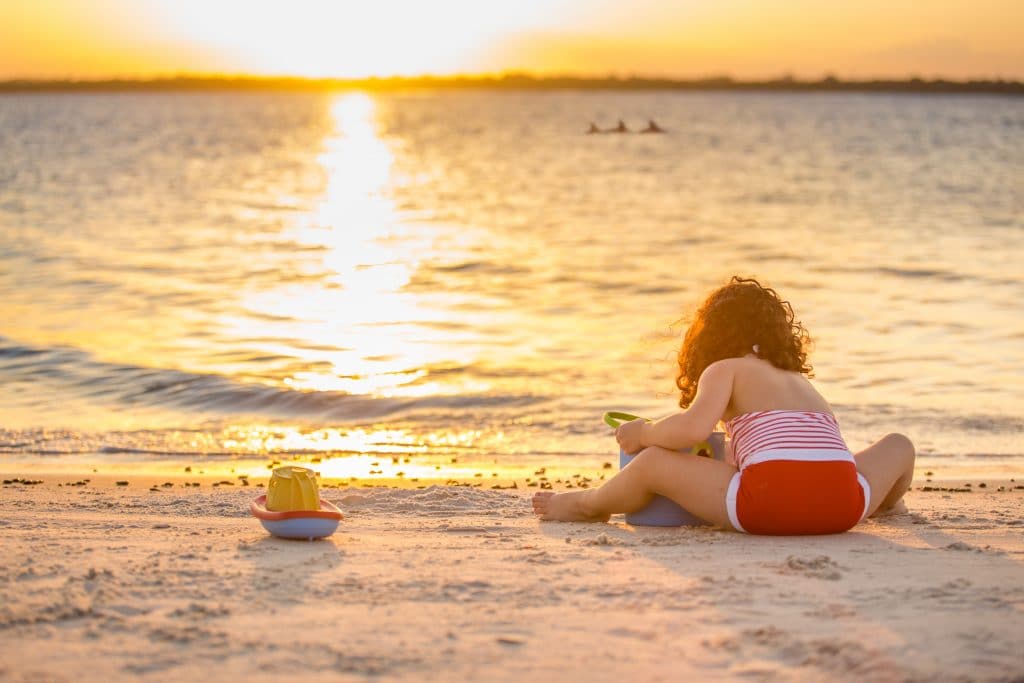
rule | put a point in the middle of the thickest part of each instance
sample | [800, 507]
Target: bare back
[759, 385]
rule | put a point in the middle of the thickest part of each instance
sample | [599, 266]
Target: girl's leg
[888, 465]
[698, 484]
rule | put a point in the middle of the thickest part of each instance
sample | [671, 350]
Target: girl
[788, 471]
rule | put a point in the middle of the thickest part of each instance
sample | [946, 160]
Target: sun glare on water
[356, 315]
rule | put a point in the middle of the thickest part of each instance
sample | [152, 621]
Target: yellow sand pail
[293, 488]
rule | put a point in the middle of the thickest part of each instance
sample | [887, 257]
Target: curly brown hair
[730, 322]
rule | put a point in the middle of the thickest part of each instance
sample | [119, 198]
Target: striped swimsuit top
[785, 435]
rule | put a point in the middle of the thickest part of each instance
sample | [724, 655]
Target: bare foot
[897, 508]
[564, 507]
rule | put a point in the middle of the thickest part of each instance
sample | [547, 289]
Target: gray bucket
[662, 511]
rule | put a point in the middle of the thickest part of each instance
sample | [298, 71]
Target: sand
[100, 582]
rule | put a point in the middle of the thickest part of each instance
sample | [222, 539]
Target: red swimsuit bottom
[797, 497]
[796, 475]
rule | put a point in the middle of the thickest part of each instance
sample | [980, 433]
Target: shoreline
[100, 582]
[522, 473]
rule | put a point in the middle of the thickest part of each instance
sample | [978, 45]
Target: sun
[337, 38]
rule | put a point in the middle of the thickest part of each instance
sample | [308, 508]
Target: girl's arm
[682, 430]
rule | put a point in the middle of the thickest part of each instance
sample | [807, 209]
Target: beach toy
[662, 511]
[292, 507]
[293, 488]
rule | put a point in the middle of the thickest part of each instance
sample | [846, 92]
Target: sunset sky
[676, 38]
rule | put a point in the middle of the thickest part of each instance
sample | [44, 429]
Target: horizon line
[510, 80]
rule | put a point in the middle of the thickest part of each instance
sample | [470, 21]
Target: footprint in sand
[820, 567]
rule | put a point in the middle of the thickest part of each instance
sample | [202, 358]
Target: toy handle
[614, 418]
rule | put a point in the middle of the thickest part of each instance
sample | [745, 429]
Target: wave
[961, 420]
[57, 371]
[909, 273]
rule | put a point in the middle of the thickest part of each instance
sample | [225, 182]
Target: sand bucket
[293, 488]
[662, 511]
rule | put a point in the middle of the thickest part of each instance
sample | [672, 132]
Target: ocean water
[468, 274]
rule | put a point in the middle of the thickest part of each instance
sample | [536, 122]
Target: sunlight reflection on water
[357, 305]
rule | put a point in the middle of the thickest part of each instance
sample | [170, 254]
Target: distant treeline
[507, 82]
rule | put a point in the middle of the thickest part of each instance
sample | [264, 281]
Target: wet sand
[103, 582]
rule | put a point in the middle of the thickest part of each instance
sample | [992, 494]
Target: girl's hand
[628, 436]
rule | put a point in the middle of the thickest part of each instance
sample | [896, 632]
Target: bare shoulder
[722, 369]
[739, 366]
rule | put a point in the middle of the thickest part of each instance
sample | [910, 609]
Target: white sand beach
[100, 582]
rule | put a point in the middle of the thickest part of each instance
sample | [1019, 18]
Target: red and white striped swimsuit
[796, 475]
